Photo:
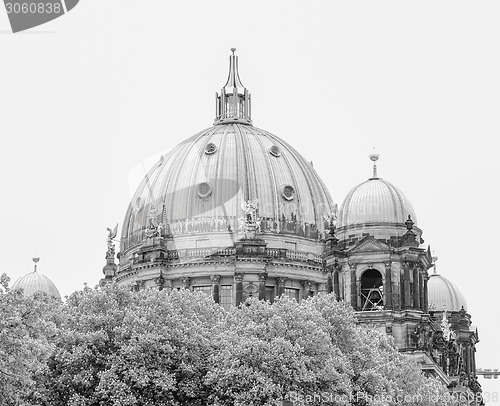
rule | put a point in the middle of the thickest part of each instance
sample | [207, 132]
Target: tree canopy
[113, 346]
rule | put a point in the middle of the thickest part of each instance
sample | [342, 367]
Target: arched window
[372, 290]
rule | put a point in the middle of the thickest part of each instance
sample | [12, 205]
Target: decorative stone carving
[417, 336]
[238, 277]
[336, 265]
[160, 281]
[474, 384]
[155, 226]
[263, 277]
[281, 281]
[215, 279]
[186, 282]
[110, 253]
[249, 222]
[448, 333]
[307, 285]
[139, 285]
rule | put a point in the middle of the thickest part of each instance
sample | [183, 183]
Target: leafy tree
[267, 351]
[4, 283]
[27, 329]
[119, 347]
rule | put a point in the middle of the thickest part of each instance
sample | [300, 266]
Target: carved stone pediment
[369, 244]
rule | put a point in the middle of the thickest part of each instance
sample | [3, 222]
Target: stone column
[262, 286]
[406, 282]
[358, 293]
[336, 284]
[329, 281]
[388, 286]
[281, 286]
[416, 287]
[421, 288]
[426, 293]
[215, 288]
[396, 289]
[238, 279]
[354, 290]
[467, 359]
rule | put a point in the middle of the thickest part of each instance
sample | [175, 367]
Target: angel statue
[249, 221]
[111, 236]
[155, 226]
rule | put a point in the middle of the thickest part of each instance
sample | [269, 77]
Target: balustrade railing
[175, 255]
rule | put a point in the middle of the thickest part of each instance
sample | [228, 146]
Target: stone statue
[110, 253]
[448, 333]
[419, 336]
[155, 226]
[249, 221]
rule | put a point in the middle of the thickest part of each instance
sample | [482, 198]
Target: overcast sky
[90, 96]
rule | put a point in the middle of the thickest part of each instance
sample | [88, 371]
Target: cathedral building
[236, 212]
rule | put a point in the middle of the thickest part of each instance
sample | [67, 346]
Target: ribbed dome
[199, 187]
[35, 282]
[375, 201]
[442, 292]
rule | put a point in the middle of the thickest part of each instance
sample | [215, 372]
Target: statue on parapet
[110, 253]
[249, 221]
[155, 226]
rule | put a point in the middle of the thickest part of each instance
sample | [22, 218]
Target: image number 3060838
[26, 14]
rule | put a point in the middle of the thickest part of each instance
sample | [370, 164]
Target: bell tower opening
[372, 290]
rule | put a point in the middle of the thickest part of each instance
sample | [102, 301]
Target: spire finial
[233, 103]
[374, 157]
[35, 260]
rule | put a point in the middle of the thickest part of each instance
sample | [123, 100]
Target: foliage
[4, 283]
[113, 346]
[119, 347]
[27, 329]
[267, 351]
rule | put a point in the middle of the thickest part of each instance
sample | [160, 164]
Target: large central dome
[204, 185]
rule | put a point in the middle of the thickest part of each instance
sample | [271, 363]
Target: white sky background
[87, 97]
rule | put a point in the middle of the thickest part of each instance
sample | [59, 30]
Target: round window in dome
[204, 189]
[288, 192]
[275, 151]
[210, 148]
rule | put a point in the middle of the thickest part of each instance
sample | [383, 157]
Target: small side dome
[443, 293]
[36, 282]
[378, 208]
[375, 201]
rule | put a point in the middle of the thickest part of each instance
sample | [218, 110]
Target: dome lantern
[233, 105]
